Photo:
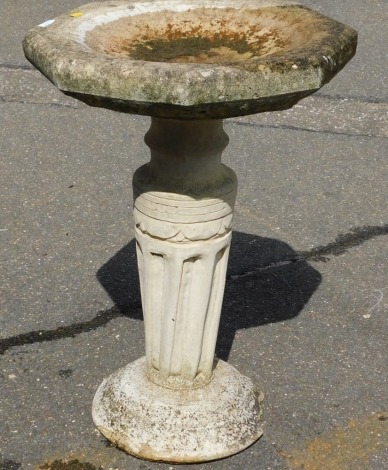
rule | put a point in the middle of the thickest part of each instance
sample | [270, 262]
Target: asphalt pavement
[306, 300]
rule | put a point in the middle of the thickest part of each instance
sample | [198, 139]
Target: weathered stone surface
[183, 210]
[194, 60]
[193, 425]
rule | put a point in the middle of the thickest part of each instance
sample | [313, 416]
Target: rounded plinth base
[158, 423]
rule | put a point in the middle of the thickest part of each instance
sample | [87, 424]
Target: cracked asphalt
[306, 300]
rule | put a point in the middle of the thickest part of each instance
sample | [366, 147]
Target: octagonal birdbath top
[194, 62]
[191, 60]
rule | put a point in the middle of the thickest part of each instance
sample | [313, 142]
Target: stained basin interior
[206, 35]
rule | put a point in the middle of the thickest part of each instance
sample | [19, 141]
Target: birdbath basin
[188, 65]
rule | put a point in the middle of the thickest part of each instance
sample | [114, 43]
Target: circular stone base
[158, 423]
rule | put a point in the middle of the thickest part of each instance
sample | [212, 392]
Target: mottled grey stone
[143, 58]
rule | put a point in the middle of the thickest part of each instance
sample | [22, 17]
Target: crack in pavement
[12, 99]
[356, 237]
[69, 331]
[363, 99]
[17, 67]
[303, 129]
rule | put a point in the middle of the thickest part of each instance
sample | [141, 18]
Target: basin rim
[179, 90]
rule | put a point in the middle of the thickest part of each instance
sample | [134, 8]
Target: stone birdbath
[188, 65]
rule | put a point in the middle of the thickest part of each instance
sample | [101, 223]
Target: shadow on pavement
[267, 282]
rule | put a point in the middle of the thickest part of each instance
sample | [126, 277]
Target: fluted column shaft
[184, 199]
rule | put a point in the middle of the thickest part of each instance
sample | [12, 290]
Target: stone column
[184, 199]
[179, 404]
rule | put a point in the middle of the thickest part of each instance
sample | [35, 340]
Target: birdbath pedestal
[188, 66]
